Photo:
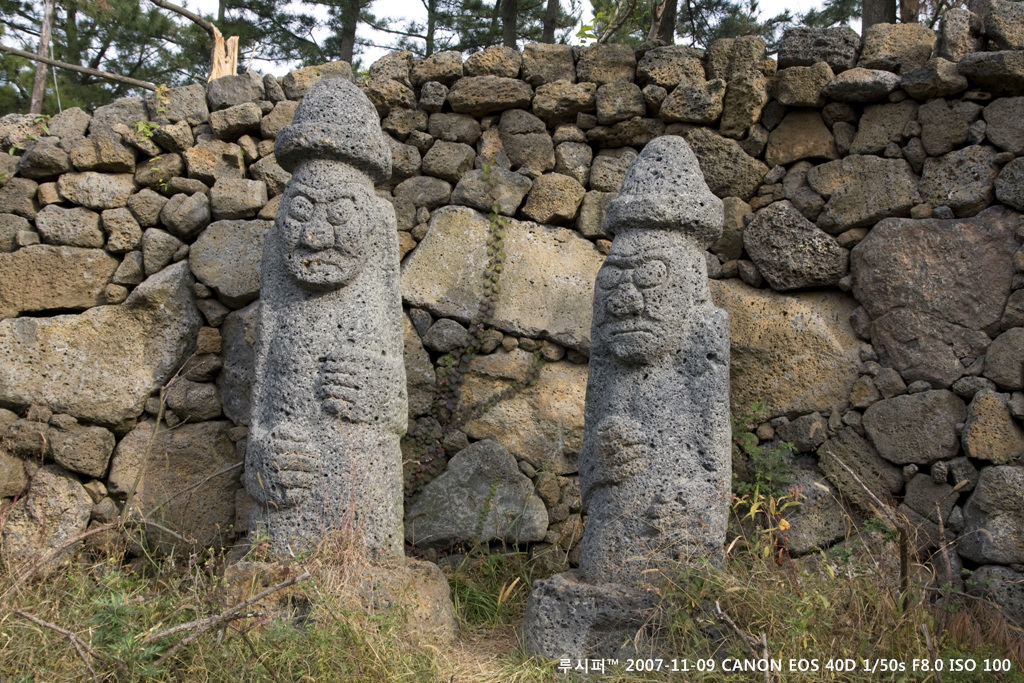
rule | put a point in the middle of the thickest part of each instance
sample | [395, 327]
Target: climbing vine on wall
[447, 407]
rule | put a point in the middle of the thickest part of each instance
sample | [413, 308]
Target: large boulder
[544, 63]
[666, 66]
[882, 124]
[226, 258]
[56, 509]
[552, 406]
[1001, 73]
[819, 519]
[794, 355]
[962, 180]
[727, 169]
[1004, 24]
[990, 432]
[932, 289]
[848, 448]
[479, 95]
[806, 46]
[606, 63]
[801, 135]
[419, 370]
[481, 496]
[790, 251]
[187, 479]
[916, 428]
[562, 101]
[554, 265]
[862, 189]
[994, 517]
[119, 355]
[896, 47]
[238, 335]
[1004, 585]
[96, 190]
[525, 140]
[43, 277]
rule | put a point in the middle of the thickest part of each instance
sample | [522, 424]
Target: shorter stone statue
[329, 397]
[655, 469]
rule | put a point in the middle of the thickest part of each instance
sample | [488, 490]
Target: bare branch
[621, 15]
[205, 24]
[80, 646]
[81, 69]
[201, 626]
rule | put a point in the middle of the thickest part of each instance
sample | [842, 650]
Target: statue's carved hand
[283, 471]
[357, 387]
[620, 449]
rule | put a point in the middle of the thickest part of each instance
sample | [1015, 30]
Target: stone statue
[329, 397]
[655, 468]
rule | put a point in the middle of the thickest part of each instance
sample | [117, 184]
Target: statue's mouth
[324, 258]
[624, 331]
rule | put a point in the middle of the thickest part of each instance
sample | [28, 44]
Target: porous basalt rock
[481, 496]
[649, 475]
[121, 354]
[329, 397]
[541, 263]
[790, 251]
[932, 287]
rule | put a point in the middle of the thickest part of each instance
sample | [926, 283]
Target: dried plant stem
[906, 531]
[201, 626]
[80, 647]
[757, 647]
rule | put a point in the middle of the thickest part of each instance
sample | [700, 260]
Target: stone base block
[566, 617]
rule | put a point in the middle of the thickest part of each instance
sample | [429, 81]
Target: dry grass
[103, 612]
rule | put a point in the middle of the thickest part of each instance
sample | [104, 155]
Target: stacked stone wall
[871, 265]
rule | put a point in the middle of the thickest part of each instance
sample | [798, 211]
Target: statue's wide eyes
[300, 208]
[341, 211]
[609, 277]
[650, 274]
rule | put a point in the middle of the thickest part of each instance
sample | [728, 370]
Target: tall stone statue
[655, 468]
[329, 397]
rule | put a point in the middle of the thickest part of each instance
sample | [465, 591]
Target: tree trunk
[667, 23]
[39, 87]
[224, 57]
[495, 30]
[431, 26]
[878, 12]
[663, 21]
[550, 19]
[348, 30]
[909, 11]
[509, 10]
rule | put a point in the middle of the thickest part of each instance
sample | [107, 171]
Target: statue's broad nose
[317, 233]
[626, 300]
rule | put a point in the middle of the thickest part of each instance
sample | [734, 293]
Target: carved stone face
[326, 225]
[641, 296]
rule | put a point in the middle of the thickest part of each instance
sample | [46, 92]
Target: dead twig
[80, 647]
[201, 626]
[892, 516]
[931, 650]
[757, 647]
[255, 654]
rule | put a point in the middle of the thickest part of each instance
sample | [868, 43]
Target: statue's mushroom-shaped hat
[335, 121]
[664, 189]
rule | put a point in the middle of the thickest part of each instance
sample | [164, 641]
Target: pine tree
[115, 35]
